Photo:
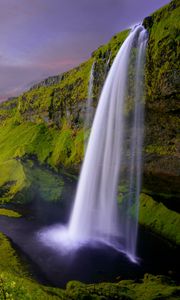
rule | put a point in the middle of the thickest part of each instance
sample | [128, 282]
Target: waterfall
[106, 204]
[112, 157]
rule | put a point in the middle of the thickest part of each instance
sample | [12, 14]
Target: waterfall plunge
[95, 213]
[113, 159]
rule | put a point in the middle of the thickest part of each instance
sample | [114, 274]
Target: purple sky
[46, 37]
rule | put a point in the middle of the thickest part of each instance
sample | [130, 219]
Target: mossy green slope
[12, 179]
[46, 145]
[22, 182]
[9, 213]
[162, 121]
[159, 219]
[15, 283]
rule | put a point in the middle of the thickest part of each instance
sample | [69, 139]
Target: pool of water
[91, 262]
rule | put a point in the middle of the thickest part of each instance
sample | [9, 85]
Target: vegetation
[24, 181]
[41, 131]
[9, 213]
[12, 179]
[159, 218]
[162, 78]
[16, 284]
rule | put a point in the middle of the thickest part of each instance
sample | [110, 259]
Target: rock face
[46, 122]
[162, 144]
[52, 80]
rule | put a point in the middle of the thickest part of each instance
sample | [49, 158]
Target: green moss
[12, 179]
[150, 288]
[62, 146]
[162, 81]
[122, 193]
[9, 213]
[24, 182]
[27, 138]
[160, 149]
[77, 152]
[15, 283]
[156, 287]
[159, 219]
[44, 184]
[68, 147]
[163, 39]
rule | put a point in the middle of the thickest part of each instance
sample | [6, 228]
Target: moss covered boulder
[159, 219]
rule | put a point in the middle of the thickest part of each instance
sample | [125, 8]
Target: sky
[40, 38]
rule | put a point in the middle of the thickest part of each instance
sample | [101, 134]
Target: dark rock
[148, 22]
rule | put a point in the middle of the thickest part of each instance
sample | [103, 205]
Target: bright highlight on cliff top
[106, 203]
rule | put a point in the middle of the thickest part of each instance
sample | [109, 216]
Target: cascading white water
[95, 212]
[113, 160]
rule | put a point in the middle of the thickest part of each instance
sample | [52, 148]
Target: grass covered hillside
[47, 120]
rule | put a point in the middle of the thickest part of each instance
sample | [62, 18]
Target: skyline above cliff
[44, 38]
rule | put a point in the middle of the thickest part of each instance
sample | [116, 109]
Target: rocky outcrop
[52, 80]
[162, 122]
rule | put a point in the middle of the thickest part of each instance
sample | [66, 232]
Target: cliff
[45, 124]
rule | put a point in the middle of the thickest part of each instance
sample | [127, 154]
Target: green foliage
[12, 179]
[24, 182]
[58, 147]
[156, 287]
[159, 219]
[62, 147]
[150, 288]
[162, 58]
[27, 138]
[9, 261]
[43, 183]
[52, 103]
[162, 80]
[8, 110]
[68, 147]
[160, 149]
[9, 213]
[77, 290]
[15, 283]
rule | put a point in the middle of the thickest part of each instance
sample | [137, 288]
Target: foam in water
[113, 160]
